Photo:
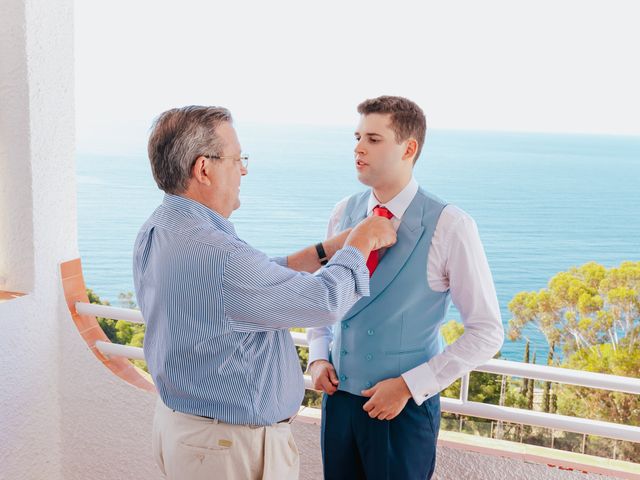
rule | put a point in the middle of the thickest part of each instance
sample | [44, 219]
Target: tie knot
[382, 212]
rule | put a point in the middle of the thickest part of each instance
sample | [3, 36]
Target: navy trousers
[355, 446]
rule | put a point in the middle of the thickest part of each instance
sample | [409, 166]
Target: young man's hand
[323, 376]
[387, 398]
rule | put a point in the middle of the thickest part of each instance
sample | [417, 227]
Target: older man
[218, 311]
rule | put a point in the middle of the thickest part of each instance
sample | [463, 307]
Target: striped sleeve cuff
[351, 258]
[282, 261]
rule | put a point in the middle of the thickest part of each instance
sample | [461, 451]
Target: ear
[201, 171]
[411, 149]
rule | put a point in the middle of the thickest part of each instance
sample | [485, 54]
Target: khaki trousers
[187, 447]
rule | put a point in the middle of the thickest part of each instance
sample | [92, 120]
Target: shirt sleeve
[473, 293]
[282, 261]
[261, 295]
[320, 338]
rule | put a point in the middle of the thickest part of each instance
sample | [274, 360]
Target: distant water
[543, 203]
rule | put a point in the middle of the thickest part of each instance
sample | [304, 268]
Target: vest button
[368, 356]
[368, 385]
[345, 325]
[343, 377]
[343, 353]
[370, 332]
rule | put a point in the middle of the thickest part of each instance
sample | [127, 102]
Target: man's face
[378, 157]
[228, 171]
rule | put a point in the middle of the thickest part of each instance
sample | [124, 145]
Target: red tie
[374, 256]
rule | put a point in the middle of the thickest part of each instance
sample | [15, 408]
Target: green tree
[525, 381]
[124, 332]
[593, 315]
[546, 395]
[121, 331]
[531, 388]
[622, 287]
[108, 325]
[604, 405]
[583, 307]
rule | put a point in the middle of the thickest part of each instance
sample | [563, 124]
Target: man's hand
[323, 376]
[388, 398]
[372, 233]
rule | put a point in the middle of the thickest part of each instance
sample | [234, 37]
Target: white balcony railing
[462, 405]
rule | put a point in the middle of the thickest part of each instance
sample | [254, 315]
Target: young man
[382, 367]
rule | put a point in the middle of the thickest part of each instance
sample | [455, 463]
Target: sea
[543, 202]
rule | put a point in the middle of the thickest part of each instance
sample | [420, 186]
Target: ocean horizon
[543, 202]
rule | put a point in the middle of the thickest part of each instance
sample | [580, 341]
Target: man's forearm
[306, 260]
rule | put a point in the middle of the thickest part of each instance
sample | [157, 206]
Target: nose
[359, 149]
[243, 170]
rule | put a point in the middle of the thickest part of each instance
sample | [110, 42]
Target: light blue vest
[398, 326]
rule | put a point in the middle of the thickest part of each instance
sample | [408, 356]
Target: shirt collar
[199, 210]
[398, 204]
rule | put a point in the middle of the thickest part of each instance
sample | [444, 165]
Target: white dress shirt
[457, 263]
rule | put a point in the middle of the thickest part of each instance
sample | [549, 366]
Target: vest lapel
[409, 234]
[358, 210]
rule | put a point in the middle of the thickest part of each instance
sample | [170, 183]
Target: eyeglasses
[244, 159]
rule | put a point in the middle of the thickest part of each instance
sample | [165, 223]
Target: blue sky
[545, 66]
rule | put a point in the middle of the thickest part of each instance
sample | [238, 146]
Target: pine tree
[525, 381]
[546, 397]
[530, 387]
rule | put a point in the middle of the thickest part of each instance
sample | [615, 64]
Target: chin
[365, 179]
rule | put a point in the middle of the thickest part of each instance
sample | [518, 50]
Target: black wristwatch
[322, 256]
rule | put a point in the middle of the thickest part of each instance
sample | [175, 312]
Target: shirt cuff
[422, 382]
[282, 261]
[352, 258]
[318, 350]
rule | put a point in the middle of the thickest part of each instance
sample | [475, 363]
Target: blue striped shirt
[218, 312]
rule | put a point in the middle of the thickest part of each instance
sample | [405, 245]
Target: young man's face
[378, 156]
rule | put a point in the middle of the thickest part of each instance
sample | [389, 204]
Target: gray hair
[178, 137]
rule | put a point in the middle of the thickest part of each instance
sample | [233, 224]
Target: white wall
[16, 232]
[29, 407]
[62, 413]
